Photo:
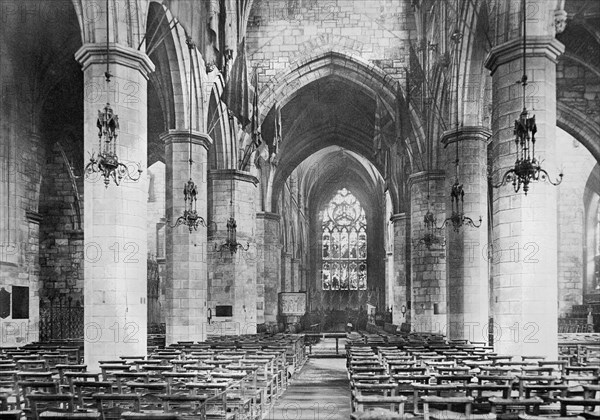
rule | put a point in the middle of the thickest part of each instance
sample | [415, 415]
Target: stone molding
[537, 46]
[228, 174]
[423, 176]
[473, 133]
[183, 136]
[95, 53]
[399, 217]
[33, 217]
[267, 215]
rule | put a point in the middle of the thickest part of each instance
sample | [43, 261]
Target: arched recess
[171, 56]
[343, 69]
[128, 20]
[578, 125]
[223, 153]
[352, 175]
[591, 200]
[475, 80]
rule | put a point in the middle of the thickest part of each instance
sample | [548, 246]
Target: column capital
[228, 174]
[426, 176]
[90, 54]
[183, 136]
[472, 133]
[267, 215]
[399, 217]
[537, 46]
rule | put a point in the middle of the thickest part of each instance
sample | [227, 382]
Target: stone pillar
[428, 266]
[399, 277]
[232, 277]
[467, 267]
[268, 264]
[115, 314]
[286, 271]
[524, 227]
[186, 253]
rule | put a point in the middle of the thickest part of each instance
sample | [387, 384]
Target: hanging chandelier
[527, 167]
[457, 193]
[458, 218]
[231, 244]
[107, 163]
[430, 238]
[190, 217]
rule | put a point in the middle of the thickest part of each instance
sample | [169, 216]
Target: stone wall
[578, 88]
[578, 163]
[280, 33]
[21, 157]
[428, 264]
[61, 234]
[232, 275]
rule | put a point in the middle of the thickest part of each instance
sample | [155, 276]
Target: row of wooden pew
[467, 380]
[235, 378]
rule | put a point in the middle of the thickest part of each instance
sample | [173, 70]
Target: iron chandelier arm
[191, 219]
[232, 247]
[544, 176]
[109, 166]
[506, 178]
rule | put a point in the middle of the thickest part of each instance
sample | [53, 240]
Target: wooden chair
[588, 404]
[373, 402]
[85, 390]
[39, 403]
[111, 406]
[51, 415]
[11, 414]
[187, 407]
[149, 393]
[421, 390]
[516, 405]
[149, 416]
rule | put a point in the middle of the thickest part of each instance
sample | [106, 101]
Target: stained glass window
[344, 243]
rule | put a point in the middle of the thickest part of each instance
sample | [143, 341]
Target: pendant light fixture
[107, 163]
[527, 167]
[457, 193]
[190, 217]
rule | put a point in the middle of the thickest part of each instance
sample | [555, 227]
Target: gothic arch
[223, 153]
[582, 128]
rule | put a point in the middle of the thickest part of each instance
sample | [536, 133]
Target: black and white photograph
[300, 209]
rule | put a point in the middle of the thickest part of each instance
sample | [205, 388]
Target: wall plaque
[292, 303]
[20, 302]
[4, 303]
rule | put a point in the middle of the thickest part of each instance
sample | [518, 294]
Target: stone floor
[319, 391]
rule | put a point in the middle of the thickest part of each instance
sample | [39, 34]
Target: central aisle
[320, 392]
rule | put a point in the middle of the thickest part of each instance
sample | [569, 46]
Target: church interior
[289, 209]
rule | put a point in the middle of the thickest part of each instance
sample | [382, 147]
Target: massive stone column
[115, 312]
[401, 295]
[467, 267]
[428, 264]
[268, 263]
[232, 276]
[186, 252]
[524, 226]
